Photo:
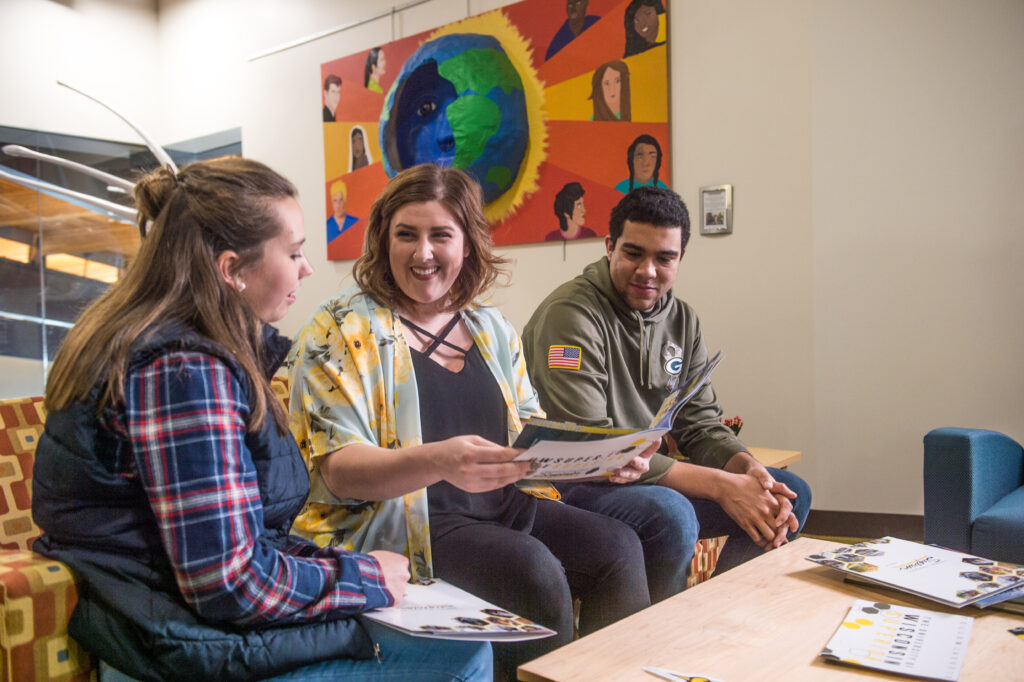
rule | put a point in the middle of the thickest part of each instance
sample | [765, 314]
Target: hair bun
[152, 193]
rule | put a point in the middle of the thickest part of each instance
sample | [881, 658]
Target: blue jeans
[403, 657]
[669, 524]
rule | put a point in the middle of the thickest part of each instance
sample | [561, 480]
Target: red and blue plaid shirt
[185, 419]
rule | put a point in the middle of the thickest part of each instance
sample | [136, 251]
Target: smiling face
[271, 282]
[645, 160]
[611, 88]
[426, 248]
[645, 22]
[644, 262]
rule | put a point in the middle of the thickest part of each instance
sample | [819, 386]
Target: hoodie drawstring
[646, 347]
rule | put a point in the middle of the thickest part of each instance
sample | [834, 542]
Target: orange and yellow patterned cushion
[36, 593]
[36, 599]
[704, 560]
[21, 422]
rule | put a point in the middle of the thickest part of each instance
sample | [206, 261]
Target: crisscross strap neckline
[439, 338]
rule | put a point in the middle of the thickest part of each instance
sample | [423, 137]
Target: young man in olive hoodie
[605, 349]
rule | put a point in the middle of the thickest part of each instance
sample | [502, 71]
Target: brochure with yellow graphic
[900, 639]
[441, 610]
[564, 451]
[943, 575]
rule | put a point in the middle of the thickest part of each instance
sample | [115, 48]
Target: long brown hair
[602, 112]
[188, 220]
[461, 196]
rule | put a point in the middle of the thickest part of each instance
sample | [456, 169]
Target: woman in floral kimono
[407, 389]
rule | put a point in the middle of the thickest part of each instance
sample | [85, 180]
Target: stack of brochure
[943, 575]
[900, 639]
[563, 451]
[443, 611]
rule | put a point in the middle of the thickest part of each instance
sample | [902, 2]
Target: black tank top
[457, 404]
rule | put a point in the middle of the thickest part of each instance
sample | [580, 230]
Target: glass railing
[58, 254]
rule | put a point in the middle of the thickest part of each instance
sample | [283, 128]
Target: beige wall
[871, 289]
[107, 48]
[917, 162]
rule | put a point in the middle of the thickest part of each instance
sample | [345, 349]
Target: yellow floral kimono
[352, 381]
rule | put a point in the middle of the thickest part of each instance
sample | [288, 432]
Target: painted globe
[458, 101]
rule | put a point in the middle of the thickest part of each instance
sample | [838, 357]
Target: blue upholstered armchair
[974, 493]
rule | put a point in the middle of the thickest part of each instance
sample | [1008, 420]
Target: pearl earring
[241, 287]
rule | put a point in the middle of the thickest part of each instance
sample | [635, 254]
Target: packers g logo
[674, 366]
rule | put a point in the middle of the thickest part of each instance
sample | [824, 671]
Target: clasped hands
[760, 505]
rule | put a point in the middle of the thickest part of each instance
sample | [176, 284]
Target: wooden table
[766, 619]
[775, 458]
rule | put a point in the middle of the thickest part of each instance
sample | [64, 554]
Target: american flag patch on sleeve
[564, 357]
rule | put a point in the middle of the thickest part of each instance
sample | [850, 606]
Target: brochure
[563, 451]
[900, 639]
[943, 575]
[443, 611]
[1011, 600]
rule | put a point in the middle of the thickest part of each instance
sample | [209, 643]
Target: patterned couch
[37, 595]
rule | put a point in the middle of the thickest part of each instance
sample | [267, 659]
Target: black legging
[569, 553]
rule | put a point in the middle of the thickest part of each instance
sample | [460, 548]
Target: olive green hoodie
[629, 362]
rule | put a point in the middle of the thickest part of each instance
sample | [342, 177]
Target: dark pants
[669, 524]
[568, 553]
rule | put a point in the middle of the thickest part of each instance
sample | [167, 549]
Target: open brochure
[900, 639]
[443, 611]
[943, 575]
[564, 451]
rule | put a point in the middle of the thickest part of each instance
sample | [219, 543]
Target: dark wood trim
[864, 525]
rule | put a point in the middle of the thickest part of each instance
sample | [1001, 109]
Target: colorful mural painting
[556, 109]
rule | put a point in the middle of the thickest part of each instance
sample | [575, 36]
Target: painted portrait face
[424, 132]
[378, 68]
[271, 282]
[426, 248]
[576, 9]
[358, 144]
[645, 159]
[611, 88]
[645, 23]
[644, 262]
[338, 201]
[332, 95]
[579, 212]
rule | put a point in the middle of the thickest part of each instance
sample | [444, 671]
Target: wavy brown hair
[188, 220]
[461, 196]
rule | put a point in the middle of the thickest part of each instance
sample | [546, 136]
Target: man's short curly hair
[653, 206]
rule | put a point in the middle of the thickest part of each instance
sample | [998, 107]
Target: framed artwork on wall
[556, 109]
[716, 209]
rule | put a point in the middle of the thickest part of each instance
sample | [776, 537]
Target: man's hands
[637, 467]
[757, 502]
[765, 513]
[394, 568]
[477, 465]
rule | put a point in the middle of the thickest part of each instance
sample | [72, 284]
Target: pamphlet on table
[943, 575]
[443, 611]
[900, 639]
[563, 451]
